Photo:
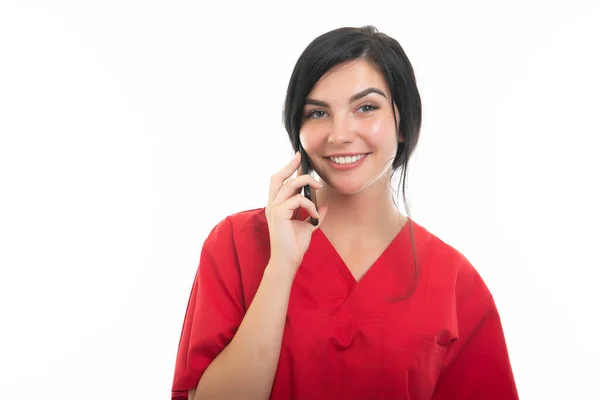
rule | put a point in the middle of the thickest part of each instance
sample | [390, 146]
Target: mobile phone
[307, 190]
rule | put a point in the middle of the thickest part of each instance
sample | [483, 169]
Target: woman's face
[349, 113]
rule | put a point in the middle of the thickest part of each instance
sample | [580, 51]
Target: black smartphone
[307, 190]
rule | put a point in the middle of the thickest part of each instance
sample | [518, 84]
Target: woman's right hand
[290, 238]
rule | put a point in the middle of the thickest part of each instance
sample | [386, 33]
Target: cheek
[378, 131]
[311, 138]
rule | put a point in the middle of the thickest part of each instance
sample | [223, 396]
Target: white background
[130, 128]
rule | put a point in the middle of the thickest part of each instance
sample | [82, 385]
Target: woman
[366, 305]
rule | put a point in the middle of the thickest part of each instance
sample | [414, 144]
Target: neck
[366, 214]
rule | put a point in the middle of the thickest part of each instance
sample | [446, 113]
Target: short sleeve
[477, 364]
[214, 312]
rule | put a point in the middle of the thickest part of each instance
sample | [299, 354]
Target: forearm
[246, 367]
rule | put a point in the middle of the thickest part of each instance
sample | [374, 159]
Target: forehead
[347, 79]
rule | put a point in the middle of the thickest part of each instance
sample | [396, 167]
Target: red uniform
[345, 339]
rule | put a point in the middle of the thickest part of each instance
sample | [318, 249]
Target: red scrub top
[345, 339]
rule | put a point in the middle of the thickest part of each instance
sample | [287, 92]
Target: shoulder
[248, 217]
[238, 226]
[239, 246]
[242, 239]
[439, 252]
[448, 266]
[456, 294]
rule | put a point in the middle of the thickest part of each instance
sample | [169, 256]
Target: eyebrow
[355, 97]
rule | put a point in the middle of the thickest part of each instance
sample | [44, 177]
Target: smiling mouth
[347, 160]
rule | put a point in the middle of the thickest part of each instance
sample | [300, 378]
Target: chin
[349, 189]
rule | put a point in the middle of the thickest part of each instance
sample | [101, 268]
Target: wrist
[280, 272]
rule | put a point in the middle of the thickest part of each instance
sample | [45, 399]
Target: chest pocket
[411, 363]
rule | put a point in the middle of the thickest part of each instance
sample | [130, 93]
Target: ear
[400, 137]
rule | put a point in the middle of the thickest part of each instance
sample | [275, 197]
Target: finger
[294, 186]
[299, 169]
[279, 177]
[322, 213]
[287, 208]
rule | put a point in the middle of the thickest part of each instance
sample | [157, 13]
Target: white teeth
[346, 160]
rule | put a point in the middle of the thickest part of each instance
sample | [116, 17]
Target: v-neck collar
[373, 268]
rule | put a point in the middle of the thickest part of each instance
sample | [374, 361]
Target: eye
[316, 114]
[368, 107]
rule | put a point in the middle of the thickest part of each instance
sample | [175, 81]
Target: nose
[341, 131]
